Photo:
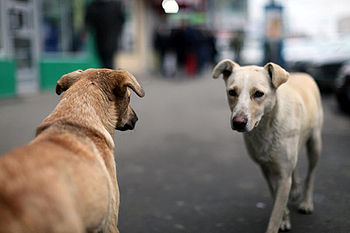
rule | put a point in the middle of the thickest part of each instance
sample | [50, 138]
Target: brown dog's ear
[128, 80]
[277, 74]
[224, 67]
[67, 80]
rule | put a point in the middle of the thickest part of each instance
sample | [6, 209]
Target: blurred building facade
[41, 40]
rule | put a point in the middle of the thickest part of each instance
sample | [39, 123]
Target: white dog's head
[251, 91]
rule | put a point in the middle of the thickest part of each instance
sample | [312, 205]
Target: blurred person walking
[178, 43]
[274, 34]
[192, 43]
[106, 18]
[237, 45]
[207, 51]
[163, 45]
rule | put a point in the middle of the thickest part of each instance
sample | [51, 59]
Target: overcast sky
[314, 17]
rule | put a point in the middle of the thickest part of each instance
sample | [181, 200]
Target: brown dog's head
[107, 91]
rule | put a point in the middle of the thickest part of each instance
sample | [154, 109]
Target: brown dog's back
[40, 184]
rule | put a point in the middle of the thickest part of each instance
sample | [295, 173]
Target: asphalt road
[184, 170]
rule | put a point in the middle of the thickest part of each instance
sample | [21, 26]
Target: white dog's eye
[232, 93]
[258, 94]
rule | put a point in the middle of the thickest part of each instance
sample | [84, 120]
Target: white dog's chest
[271, 146]
[260, 148]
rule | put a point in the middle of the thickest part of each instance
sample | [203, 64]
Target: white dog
[277, 115]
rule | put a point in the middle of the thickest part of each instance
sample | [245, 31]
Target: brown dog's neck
[79, 130]
[62, 132]
[86, 106]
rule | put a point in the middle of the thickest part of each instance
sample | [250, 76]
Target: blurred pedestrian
[273, 52]
[237, 45]
[178, 42]
[106, 18]
[163, 45]
[274, 34]
[192, 43]
[206, 51]
[212, 49]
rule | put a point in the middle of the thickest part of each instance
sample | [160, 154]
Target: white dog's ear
[277, 74]
[67, 80]
[224, 67]
[128, 80]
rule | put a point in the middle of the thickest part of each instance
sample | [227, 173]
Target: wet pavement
[184, 170]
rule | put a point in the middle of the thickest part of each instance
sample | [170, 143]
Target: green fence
[51, 69]
[7, 77]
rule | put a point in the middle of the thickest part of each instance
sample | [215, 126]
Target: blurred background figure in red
[106, 19]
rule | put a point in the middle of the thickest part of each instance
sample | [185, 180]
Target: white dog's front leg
[281, 199]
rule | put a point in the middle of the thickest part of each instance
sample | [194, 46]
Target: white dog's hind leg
[296, 189]
[269, 179]
[314, 145]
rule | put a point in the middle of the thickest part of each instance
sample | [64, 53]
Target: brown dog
[65, 179]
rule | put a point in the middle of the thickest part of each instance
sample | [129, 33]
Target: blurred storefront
[41, 40]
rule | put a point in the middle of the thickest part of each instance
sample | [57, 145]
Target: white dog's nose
[239, 123]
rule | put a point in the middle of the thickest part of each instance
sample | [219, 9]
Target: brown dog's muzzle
[130, 124]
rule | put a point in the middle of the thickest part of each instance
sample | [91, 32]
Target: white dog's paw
[306, 207]
[285, 225]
